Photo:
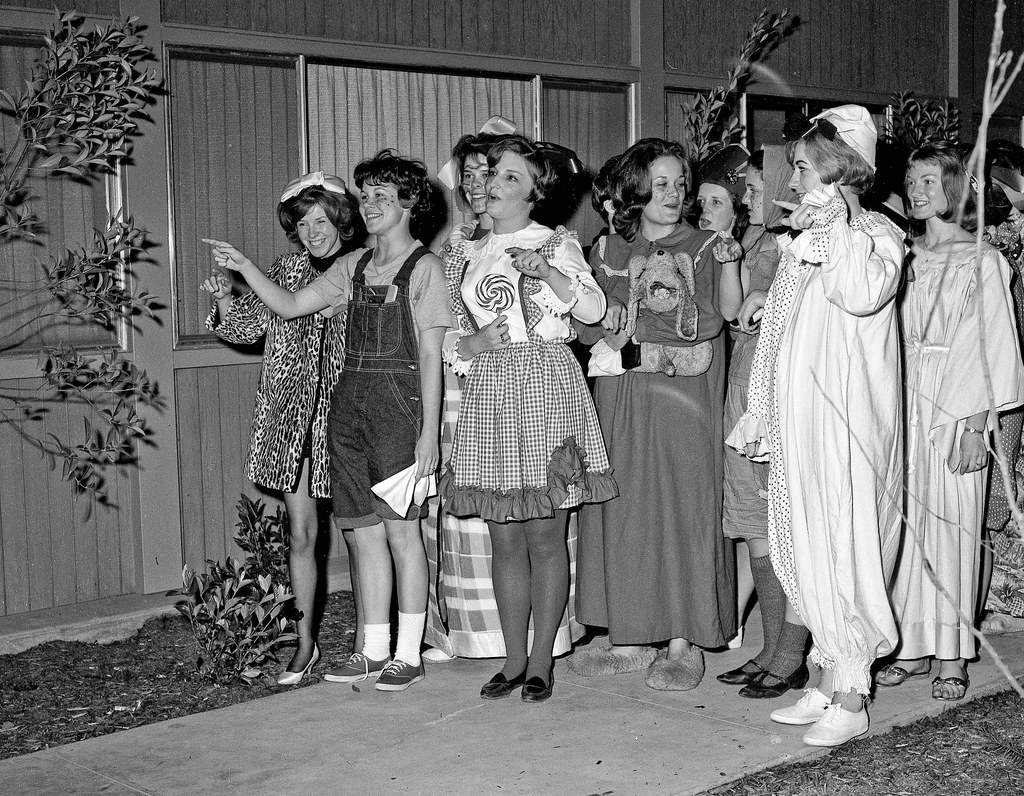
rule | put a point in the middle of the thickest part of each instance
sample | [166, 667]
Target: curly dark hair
[415, 191]
[341, 209]
[632, 182]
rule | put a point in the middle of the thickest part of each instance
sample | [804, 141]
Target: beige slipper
[601, 661]
[677, 674]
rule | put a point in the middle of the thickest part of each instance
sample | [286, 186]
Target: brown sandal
[894, 674]
[960, 683]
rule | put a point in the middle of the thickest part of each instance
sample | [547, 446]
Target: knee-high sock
[772, 601]
[789, 652]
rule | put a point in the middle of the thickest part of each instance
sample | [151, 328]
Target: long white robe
[958, 322]
[826, 382]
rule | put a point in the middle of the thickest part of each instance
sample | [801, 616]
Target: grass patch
[974, 749]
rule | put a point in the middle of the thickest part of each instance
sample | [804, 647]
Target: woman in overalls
[385, 413]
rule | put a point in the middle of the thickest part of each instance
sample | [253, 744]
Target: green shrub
[239, 610]
[263, 539]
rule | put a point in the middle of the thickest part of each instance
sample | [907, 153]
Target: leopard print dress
[302, 360]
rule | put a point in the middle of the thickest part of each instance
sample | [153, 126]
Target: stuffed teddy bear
[664, 283]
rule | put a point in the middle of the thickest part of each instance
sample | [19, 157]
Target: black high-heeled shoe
[536, 690]
[499, 686]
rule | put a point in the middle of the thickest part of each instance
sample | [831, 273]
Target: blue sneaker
[399, 675]
[358, 667]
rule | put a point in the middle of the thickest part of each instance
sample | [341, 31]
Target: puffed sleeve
[247, 318]
[588, 302]
[862, 271]
[984, 349]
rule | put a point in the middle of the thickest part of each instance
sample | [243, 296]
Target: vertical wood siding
[99, 8]
[354, 112]
[871, 45]
[982, 14]
[234, 146]
[593, 121]
[567, 31]
[69, 210]
[214, 410]
[56, 549]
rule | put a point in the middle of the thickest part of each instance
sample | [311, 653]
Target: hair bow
[315, 178]
[496, 125]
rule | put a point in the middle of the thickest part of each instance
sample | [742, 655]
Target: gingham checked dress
[528, 440]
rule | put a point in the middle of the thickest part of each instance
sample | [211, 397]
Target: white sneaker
[837, 726]
[434, 655]
[810, 707]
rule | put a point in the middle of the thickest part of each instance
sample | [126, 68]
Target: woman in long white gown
[963, 366]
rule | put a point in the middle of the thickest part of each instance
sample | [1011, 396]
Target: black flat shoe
[745, 674]
[536, 690]
[769, 686]
[499, 686]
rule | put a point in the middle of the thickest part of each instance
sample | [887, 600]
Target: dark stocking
[772, 600]
[549, 587]
[510, 574]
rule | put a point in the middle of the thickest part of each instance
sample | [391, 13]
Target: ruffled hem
[847, 674]
[567, 468]
[751, 428]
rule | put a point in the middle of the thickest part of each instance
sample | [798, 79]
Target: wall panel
[68, 211]
[978, 41]
[878, 46]
[56, 548]
[234, 144]
[99, 8]
[214, 413]
[565, 31]
[593, 121]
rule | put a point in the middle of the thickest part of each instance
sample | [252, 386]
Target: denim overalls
[376, 410]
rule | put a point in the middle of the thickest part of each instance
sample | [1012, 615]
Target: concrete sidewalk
[595, 736]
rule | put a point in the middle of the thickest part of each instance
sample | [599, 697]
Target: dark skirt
[652, 563]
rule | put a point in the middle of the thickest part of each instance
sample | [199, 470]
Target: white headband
[315, 178]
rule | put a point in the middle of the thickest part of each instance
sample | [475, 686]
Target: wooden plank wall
[568, 31]
[593, 121]
[234, 144]
[69, 210]
[56, 549]
[869, 45]
[99, 8]
[214, 411]
[977, 20]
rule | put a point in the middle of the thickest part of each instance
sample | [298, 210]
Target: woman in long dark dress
[653, 565]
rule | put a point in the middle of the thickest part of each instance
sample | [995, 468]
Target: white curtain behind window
[355, 112]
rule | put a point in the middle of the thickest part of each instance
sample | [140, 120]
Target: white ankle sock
[377, 641]
[410, 637]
